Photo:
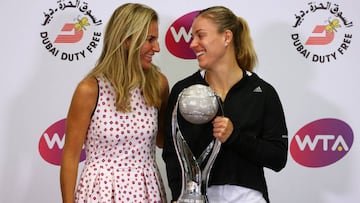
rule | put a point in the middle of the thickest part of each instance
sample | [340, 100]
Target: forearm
[173, 170]
[68, 177]
[266, 152]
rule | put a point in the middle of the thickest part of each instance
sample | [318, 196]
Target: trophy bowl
[198, 104]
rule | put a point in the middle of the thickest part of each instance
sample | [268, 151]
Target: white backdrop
[316, 80]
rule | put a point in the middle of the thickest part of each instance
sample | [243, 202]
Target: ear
[127, 43]
[228, 36]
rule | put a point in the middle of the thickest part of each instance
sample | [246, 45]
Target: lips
[146, 61]
[198, 54]
[148, 57]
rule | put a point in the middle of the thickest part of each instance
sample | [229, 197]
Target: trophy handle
[209, 164]
[192, 171]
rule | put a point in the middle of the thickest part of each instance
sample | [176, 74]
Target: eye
[150, 39]
[201, 35]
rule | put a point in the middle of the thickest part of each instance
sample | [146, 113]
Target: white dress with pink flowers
[120, 163]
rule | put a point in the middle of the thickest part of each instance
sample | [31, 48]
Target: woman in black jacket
[252, 130]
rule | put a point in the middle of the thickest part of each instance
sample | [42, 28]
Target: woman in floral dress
[116, 115]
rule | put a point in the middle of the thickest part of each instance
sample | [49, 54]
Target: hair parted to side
[225, 19]
[120, 63]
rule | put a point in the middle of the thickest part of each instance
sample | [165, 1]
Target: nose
[156, 46]
[193, 43]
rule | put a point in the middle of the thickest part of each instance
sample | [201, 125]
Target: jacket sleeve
[265, 144]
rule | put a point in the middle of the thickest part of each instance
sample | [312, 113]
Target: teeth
[199, 54]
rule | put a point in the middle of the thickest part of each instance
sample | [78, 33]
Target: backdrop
[308, 50]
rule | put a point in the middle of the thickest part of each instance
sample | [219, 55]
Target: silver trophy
[198, 104]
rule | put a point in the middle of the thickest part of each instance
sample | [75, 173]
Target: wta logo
[321, 142]
[52, 141]
[178, 37]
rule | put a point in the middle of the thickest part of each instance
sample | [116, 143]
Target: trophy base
[192, 198]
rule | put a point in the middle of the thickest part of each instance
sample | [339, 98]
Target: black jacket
[259, 138]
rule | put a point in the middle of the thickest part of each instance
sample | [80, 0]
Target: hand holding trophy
[198, 104]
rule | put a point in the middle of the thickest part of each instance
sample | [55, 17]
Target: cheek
[216, 46]
[145, 48]
[213, 43]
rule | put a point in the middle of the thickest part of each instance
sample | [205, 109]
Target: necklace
[221, 93]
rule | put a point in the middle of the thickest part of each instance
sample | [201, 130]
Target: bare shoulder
[87, 88]
[164, 83]
[83, 103]
[85, 95]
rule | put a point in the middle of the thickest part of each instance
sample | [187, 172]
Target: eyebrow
[151, 36]
[199, 30]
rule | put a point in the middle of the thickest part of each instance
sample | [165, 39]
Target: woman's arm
[164, 97]
[77, 123]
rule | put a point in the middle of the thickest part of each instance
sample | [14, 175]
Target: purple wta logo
[52, 141]
[321, 142]
[178, 37]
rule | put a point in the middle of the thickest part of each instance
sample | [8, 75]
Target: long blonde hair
[120, 62]
[225, 19]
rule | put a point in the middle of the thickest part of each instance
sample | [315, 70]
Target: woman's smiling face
[207, 42]
[150, 46]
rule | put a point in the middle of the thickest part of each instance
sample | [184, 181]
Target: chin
[146, 65]
[201, 65]
[146, 68]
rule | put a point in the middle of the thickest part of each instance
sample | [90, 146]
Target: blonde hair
[120, 62]
[225, 19]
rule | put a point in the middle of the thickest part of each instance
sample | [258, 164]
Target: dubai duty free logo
[70, 30]
[322, 32]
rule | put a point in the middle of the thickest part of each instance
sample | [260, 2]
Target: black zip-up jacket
[259, 138]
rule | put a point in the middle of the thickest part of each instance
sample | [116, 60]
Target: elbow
[280, 157]
[160, 141]
[160, 137]
[279, 167]
[280, 164]
[160, 145]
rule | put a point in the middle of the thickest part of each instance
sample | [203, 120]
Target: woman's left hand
[223, 127]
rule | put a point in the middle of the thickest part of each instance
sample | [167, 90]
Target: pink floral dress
[120, 163]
